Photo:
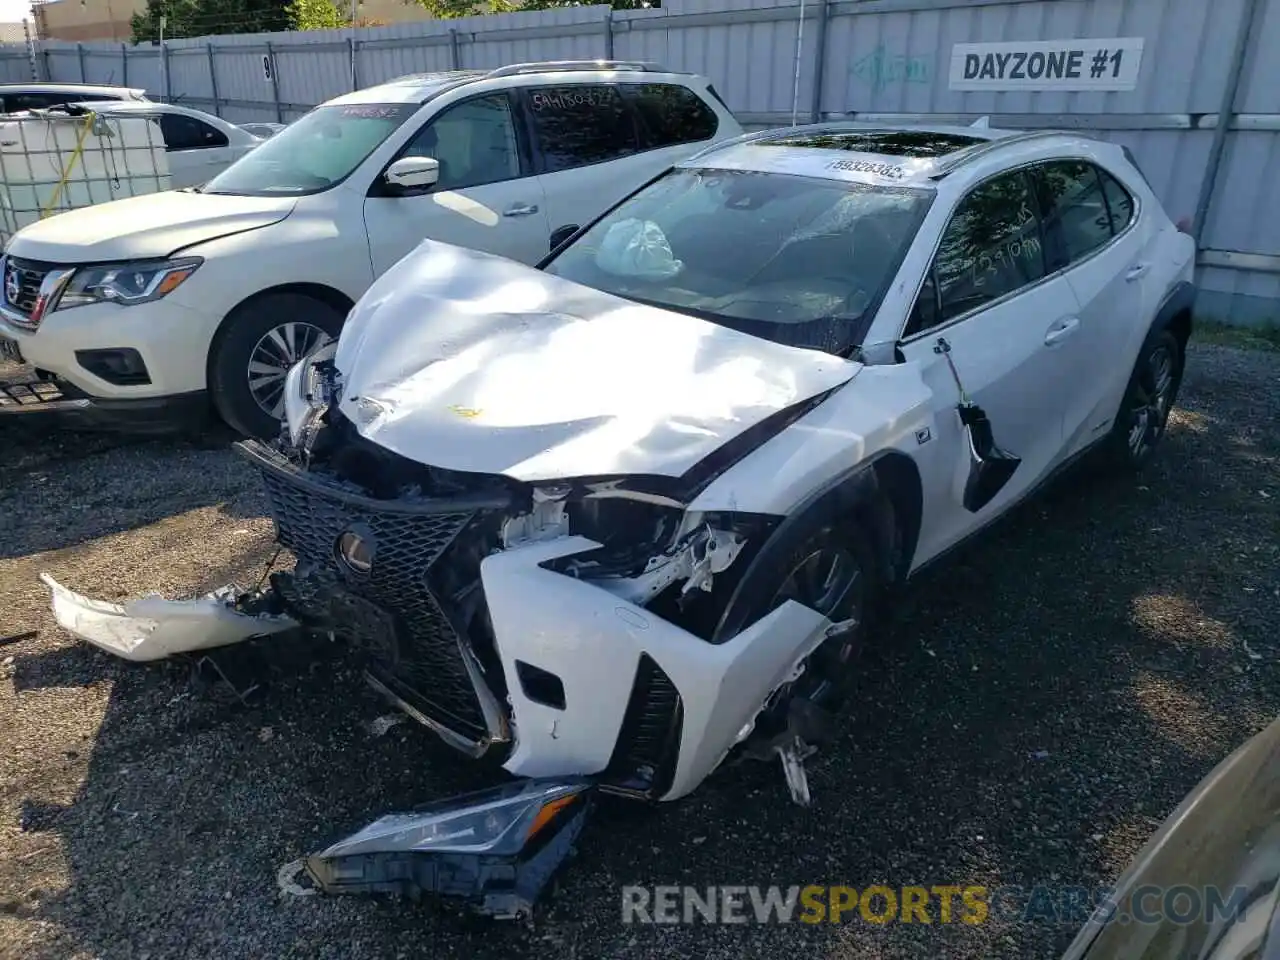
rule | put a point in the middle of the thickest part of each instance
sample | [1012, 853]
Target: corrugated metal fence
[887, 59]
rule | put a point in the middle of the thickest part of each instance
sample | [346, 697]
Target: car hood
[472, 362]
[153, 225]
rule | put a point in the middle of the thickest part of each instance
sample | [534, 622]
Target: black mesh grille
[391, 609]
[644, 757]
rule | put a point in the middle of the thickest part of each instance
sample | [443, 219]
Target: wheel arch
[1177, 312]
[883, 494]
[327, 295]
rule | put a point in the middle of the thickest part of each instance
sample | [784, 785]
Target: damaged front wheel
[831, 568]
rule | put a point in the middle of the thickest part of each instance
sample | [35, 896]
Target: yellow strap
[71, 163]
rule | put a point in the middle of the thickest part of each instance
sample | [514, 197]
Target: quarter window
[581, 124]
[670, 114]
[1077, 220]
[990, 248]
[188, 133]
[1119, 202]
[473, 141]
[17, 102]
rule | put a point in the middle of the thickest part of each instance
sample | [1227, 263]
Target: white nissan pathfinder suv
[137, 311]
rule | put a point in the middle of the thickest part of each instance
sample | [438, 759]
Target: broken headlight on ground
[494, 850]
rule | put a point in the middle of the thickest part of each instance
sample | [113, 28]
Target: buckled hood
[472, 362]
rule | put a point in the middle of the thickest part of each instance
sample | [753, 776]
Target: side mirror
[561, 234]
[411, 174]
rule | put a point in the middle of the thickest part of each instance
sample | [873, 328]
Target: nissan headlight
[127, 283]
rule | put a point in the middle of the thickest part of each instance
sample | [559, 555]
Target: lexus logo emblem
[354, 550]
[12, 285]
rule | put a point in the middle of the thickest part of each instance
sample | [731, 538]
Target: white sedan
[198, 145]
[623, 515]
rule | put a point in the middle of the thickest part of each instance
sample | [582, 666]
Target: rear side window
[1085, 207]
[1076, 220]
[1120, 207]
[16, 102]
[670, 114]
[581, 124]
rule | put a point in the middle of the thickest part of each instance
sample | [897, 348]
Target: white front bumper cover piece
[152, 628]
[593, 641]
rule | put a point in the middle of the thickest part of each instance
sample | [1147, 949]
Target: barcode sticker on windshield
[886, 170]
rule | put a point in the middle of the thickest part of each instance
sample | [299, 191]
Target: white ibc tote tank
[51, 162]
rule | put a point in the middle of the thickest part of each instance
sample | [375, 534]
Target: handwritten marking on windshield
[370, 111]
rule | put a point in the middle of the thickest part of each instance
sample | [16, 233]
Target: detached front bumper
[152, 628]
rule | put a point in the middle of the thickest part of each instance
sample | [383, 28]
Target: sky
[13, 11]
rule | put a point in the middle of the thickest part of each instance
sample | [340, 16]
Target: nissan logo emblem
[13, 285]
[355, 552]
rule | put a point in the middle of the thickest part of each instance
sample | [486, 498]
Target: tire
[1143, 416]
[765, 586]
[275, 330]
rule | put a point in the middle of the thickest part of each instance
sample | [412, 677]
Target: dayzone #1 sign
[1047, 65]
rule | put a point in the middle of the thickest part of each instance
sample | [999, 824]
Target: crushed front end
[565, 626]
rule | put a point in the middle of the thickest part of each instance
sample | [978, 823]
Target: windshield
[314, 153]
[797, 260]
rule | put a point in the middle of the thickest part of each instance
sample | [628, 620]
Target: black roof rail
[552, 66]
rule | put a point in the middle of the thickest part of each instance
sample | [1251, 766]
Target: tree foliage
[326, 15]
[450, 9]
[198, 18]
[616, 4]
[316, 15]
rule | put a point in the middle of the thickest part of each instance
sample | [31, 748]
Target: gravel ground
[1049, 696]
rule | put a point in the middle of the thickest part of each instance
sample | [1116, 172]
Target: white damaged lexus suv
[619, 516]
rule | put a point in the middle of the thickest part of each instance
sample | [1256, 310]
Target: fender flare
[1180, 302]
[858, 492]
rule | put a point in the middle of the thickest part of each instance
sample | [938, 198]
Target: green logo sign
[881, 68]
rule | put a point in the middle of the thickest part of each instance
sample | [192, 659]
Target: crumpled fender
[152, 628]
